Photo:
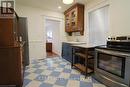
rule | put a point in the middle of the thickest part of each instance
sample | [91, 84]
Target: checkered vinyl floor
[55, 72]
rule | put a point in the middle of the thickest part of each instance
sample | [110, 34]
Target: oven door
[113, 64]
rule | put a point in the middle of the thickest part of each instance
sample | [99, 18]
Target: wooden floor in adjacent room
[51, 55]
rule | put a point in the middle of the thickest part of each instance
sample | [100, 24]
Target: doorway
[98, 25]
[52, 38]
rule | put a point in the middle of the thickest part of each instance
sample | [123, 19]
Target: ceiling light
[59, 7]
[68, 1]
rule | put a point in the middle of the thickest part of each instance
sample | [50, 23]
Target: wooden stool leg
[86, 69]
[86, 63]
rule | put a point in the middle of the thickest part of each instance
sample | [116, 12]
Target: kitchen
[36, 14]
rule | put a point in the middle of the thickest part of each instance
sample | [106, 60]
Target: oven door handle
[112, 52]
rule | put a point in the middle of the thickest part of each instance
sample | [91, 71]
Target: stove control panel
[118, 38]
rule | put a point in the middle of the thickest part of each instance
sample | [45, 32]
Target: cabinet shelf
[83, 68]
[83, 55]
[82, 59]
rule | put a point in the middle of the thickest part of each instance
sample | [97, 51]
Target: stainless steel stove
[112, 65]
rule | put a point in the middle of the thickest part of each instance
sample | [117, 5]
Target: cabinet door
[74, 19]
[67, 52]
[11, 66]
[7, 36]
[80, 19]
[64, 50]
[67, 22]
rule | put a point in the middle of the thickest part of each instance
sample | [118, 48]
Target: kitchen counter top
[85, 45]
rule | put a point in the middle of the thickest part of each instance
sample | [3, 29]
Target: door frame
[60, 20]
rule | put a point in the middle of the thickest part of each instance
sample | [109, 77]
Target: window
[49, 36]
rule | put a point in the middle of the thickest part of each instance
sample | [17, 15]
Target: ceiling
[48, 4]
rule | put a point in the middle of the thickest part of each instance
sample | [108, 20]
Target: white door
[98, 26]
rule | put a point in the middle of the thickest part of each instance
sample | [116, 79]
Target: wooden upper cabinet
[74, 19]
[8, 32]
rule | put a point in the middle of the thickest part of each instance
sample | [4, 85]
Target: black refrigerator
[23, 33]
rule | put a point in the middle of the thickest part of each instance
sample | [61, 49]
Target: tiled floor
[55, 72]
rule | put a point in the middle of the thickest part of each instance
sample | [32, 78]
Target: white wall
[119, 21]
[119, 17]
[36, 30]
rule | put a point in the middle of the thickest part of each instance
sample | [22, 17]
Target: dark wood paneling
[7, 37]
[11, 66]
